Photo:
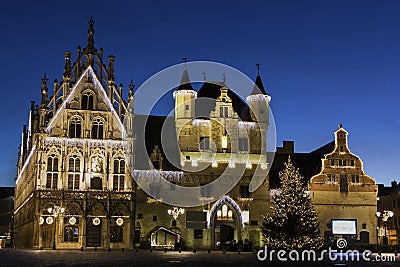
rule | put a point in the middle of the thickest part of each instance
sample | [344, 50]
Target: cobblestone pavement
[22, 257]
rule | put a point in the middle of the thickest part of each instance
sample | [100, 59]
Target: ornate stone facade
[74, 188]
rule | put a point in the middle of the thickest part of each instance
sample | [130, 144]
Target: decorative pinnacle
[224, 77]
[44, 80]
[340, 126]
[131, 86]
[258, 68]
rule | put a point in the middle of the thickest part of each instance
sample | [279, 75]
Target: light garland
[99, 86]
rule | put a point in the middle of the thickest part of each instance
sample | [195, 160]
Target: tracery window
[97, 128]
[71, 233]
[119, 174]
[52, 171]
[87, 100]
[75, 127]
[224, 213]
[74, 168]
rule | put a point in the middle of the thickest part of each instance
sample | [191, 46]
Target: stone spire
[44, 91]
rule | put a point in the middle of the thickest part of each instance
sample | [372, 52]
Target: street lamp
[385, 215]
[55, 211]
[175, 212]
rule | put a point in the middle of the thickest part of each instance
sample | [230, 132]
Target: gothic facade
[75, 186]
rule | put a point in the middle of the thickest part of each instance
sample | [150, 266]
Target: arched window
[119, 173]
[97, 128]
[87, 100]
[225, 213]
[75, 127]
[71, 233]
[74, 168]
[116, 234]
[52, 171]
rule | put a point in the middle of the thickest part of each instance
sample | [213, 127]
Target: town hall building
[82, 154]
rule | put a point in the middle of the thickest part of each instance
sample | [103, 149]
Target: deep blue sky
[323, 62]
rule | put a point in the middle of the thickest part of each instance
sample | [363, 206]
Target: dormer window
[87, 100]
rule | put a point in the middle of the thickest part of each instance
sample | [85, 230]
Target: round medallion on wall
[72, 220]
[96, 221]
[120, 221]
[41, 220]
[49, 220]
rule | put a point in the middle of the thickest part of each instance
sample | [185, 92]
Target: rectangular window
[254, 222]
[155, 218]
[223, 111]
[140, 216]
[351, 162]
[73, 181]
[244, 191]
[341, 148]
[198, 233]
[204, 143]
[243, 144]
[332, 162]
[119, 182]
[187, 107]
[355, 179]
[332, 178]
[173, 223]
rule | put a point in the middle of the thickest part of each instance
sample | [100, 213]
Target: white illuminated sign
[344, 227]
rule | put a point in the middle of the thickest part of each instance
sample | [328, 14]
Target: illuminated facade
[343, 191]
[74, 188]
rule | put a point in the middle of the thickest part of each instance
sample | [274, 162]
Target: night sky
[323, 62]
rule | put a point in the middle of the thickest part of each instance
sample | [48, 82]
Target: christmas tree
[292, 221]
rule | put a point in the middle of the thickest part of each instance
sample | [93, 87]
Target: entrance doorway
[224, 234]
[93, 234]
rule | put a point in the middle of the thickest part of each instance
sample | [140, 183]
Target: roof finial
[224, 77]
[204, 75]
[184, 61]
[258, 68]
[340, 126]
[90, 43]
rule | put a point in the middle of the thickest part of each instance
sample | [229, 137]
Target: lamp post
[55, 211]
[175, 212]
[385, 215]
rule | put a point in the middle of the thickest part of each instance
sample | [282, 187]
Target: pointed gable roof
[100, 90]
[185, 83]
